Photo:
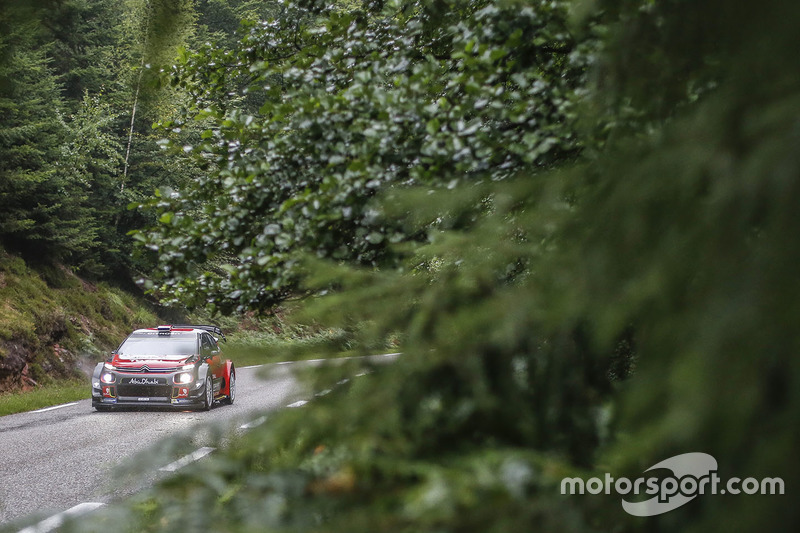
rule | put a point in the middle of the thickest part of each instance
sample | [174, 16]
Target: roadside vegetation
[254, 348]
[44, 396]
[55, 325]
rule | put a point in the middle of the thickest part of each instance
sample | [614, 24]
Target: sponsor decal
[144, 381]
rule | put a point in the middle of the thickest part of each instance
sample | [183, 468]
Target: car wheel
[231, 389]
[208, 394]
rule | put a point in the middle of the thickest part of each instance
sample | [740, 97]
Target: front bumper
[150, 390]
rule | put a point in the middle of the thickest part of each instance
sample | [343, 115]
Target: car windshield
[158, 346]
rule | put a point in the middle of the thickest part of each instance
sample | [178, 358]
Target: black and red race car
[171, 366]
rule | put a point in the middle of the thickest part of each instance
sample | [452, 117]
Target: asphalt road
[54, 460]
[71, 459]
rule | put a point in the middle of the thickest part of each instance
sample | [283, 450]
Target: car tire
[208, 394]
[231, 389]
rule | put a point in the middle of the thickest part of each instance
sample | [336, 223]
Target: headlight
[184, 378]
[109, 366]
[188, 367]
[107, 377]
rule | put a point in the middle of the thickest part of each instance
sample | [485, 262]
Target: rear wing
[215, 330]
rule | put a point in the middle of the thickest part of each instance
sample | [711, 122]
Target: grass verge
[255, 348]
[45, 396]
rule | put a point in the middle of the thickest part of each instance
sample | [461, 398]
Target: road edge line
[45, 409]
[57, 520]
[187, 459]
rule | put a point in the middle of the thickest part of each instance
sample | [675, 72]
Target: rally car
[171, 366]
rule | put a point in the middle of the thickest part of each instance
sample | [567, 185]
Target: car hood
[153, 362]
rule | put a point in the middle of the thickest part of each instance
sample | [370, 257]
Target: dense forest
[576, 217]
[79, 94]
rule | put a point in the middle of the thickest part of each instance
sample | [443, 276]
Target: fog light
[107, 377]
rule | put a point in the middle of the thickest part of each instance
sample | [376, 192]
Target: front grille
[145, 391]
[144, 369]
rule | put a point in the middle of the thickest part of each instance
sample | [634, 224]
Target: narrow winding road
[59, 458]
[74, 459]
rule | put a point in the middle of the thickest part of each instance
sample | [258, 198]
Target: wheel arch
[202, 371]
[229, 369]
[98, 369]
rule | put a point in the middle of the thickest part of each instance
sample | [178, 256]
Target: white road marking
[54, 407]
[251, 366]
[298, 403]
[255, 423]
[188, 459]
[55, 521]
